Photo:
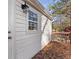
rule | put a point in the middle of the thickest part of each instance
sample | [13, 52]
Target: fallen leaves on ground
[55, 50]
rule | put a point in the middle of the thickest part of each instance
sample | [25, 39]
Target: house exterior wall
[28, 43]
[46, 28]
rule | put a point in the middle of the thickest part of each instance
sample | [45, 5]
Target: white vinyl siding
[28, 43]
[46, 28]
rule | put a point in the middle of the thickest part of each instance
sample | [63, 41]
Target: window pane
[33, 22]
[32, 16]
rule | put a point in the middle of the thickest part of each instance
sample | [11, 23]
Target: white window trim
[27, 20]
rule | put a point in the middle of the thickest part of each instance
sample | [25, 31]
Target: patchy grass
[55, 50]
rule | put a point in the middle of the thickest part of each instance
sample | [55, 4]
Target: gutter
[37, 5]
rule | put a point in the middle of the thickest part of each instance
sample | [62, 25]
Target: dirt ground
[55, 50]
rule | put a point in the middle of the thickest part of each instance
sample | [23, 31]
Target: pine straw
[55, 50]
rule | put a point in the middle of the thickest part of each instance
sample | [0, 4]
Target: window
[32, 21]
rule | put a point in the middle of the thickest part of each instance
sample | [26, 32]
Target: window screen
[32, 21]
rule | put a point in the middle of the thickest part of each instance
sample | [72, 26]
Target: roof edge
[37, 5]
